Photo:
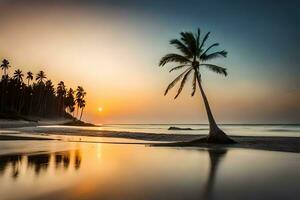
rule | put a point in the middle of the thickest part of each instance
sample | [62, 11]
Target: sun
[100, 109]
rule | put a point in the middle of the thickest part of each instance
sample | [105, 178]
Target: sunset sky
[112, 49]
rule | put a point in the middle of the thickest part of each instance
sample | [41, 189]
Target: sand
[6, 123]
[283, 144]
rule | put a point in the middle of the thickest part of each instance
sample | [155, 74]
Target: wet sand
[283, 144]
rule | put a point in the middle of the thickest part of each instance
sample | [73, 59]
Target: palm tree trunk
[212, 123]
[77, 111]
[81, 113]
[216, 135]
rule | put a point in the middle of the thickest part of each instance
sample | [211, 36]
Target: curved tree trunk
[216, 135]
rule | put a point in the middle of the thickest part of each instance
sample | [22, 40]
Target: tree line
[35, 95]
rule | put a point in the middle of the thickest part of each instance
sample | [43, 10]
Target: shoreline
[272, 143]
[12, 123]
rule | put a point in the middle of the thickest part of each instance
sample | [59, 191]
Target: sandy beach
[284, 144]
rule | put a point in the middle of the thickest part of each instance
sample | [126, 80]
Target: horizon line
[248, 124]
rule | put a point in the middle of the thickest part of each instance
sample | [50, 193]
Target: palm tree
[29, 77]
[4, 66]
[81, 105]
[80, 94]
[192, 58]
[70, 101]
[61, 94]
[40, 77]
[18, 76]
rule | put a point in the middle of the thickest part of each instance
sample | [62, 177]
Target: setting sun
[100, 109]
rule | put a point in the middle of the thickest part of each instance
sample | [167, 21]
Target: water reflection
[215, 157]
[136, 172]
[12, 161]
[40, 162]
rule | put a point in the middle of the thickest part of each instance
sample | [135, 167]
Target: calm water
[67, 170]
[241, 130]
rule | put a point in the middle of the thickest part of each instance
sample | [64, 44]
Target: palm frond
[178, 67]
[206, 57]
[197, 36]
[189, 39]
[204, 40]
[215, 68]
[194, 84]
[172, 57]
[184, 79]
[182, 47]
[173, 83]
[211, 46]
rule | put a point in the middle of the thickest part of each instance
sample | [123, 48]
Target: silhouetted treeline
[28, 95]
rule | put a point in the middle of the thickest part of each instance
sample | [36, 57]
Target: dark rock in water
[178, 128]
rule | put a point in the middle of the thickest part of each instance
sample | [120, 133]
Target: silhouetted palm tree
[61, 94]
[80, 93]
[39, 99]
[193, 57]
[70, 101]
[82, 106]
[40, 77]
[29, 77]
[4, 66]
[18, 76]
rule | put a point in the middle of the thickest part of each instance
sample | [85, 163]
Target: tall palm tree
[40, 77]
[18, 76]
[192, 58]
[4, 66]
[29, 77]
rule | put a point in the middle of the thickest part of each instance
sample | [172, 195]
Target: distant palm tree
[18, 76]
[61, 94]
[82, 104]
[70, 101]
[193, 57]
[80, 94]
[4, 66]
[29, 77]
[40, 77]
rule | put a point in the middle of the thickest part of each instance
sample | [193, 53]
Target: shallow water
[234, 130]
[69, 170]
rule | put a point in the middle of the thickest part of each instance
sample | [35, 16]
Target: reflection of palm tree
[62, 159]
[194, 57]
[215, 157]
[39, 162]
[77, 160]
[14, 161]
